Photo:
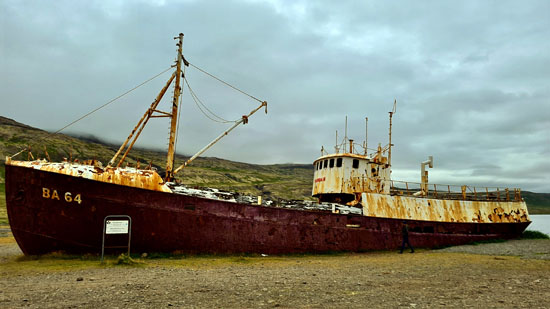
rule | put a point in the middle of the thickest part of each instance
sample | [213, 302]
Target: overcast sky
[471, 78]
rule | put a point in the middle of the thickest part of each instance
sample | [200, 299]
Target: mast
[346, 134]
[174, 115]
[390, 144]
[141, 124]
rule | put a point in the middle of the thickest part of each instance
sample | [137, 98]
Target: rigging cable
[226, 83]
[102, 106]
[199, 103]
[111, 101]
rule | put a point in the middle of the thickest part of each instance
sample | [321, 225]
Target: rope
[111, 101]
[226, 83]
[193, 95]
[102, 106]
[198, 102]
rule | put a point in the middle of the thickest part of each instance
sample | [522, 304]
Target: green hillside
[287, 181]
[3, 210]
[537, 203]
[279, 181]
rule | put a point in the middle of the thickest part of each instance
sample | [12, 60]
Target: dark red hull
[166, 222]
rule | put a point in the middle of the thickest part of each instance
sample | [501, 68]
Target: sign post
[116, 224]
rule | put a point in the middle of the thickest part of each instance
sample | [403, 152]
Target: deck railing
[455, 192]
[439, 191]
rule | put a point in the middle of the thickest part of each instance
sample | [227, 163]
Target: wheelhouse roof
[342, 155]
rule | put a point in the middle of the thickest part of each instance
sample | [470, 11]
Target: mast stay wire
[199, 103]
[102, 106]
[193, 95]
[224, 82]
[112, 100]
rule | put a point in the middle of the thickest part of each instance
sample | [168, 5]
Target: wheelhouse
[342, 177]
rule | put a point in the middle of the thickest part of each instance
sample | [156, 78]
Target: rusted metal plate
[368, 183]
[145, 179]
[167, 222]
[404, 207]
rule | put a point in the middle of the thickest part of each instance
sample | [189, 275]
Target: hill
[284, 181]
[287, 181]
[537, 203]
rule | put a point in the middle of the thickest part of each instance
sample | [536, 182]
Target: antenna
[394, 110]
[366, 134]
[336, 149]
[346, 133]
[346, 126]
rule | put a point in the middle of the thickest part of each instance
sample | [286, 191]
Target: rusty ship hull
[167, 222]
[63, 206]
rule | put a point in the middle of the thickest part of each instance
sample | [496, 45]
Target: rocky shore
[509, 274]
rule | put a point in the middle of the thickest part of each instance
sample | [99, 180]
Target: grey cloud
[470, 78]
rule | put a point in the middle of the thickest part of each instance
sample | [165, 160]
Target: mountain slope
[288, 181]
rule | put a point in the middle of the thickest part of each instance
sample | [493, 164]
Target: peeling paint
[131, 177]
[369, 186]
[369, 176]
[428, 209]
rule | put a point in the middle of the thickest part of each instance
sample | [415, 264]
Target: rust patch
[405, 207]
[131, 177]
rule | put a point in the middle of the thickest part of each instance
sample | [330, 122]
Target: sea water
[540, 223]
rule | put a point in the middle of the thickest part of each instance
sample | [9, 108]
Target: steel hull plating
[42, 222]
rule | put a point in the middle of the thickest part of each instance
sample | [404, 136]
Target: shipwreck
[62, 206]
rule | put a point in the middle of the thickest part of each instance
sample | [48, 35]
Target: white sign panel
[116, 227]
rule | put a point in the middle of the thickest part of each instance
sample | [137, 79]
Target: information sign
[116, 227]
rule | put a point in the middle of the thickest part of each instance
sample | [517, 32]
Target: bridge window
[355, 163]
[331, 163]
[339, 162]
[326, 163]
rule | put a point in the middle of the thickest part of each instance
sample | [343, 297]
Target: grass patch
[58, 255]
[62, 262]
[160, 255]
[54, 262]
[488, 241]
[7, 240]
[538, 210]
[126, 260]
[241, 260]
[381, 260]
[208, 261]
[534, 235]
[3, 209]
[222, 170]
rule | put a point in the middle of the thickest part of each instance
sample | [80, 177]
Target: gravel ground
[510, 274]
[524, 248]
